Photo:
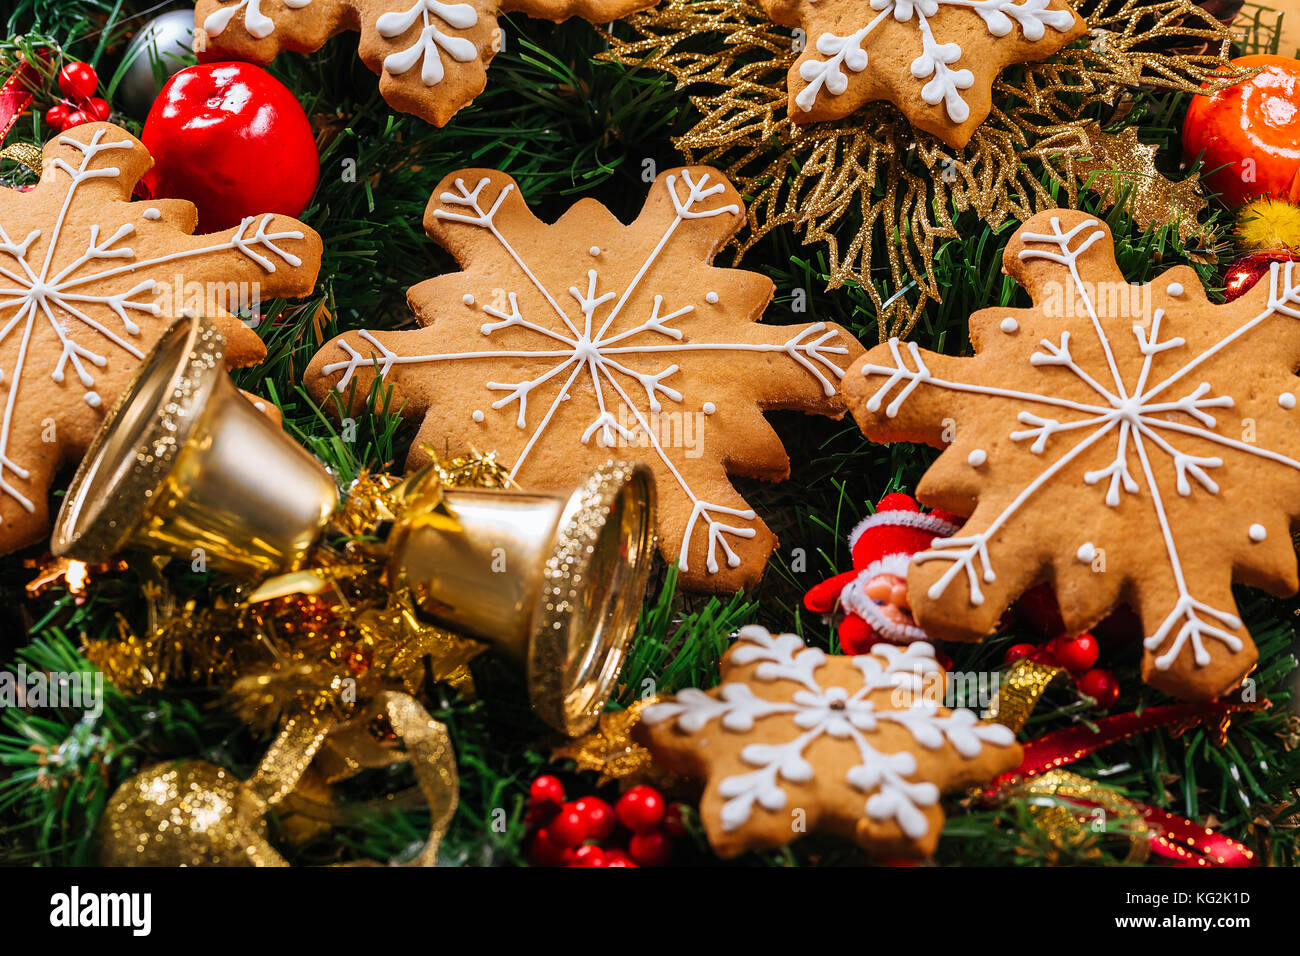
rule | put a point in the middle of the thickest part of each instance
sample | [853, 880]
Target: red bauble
[599, 816]
[569, 826]
[1246, 271]
[96, 108]
[1077, 654]
[56, 117]
[1017, 651]
[1101, 685]
[78, 81]
[651, 848]
[641, 808]
[546, 789]
[1248, 132]
[231, 139]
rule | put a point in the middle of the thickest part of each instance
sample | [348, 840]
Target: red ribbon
[1176, 838]
[16, 95]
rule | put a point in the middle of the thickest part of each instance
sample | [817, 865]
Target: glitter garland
[882, 184]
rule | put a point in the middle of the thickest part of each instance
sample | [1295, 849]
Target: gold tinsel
[888, 185]
[610, 751]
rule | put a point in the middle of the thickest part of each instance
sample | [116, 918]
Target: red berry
[1077, 654]
[617, 858]
[641, 808]
[1101, 685]
[75, 118]
[599, 816]
[674, 825]
[589, 855]
[78, 81]
[97, 108]
[651, 848]
[542, 850]
[1043, 656]
[546, 789]
[569, 826]
[1017, 651]
[56, 116]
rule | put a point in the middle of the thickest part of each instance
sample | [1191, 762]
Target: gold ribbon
[1018, 693]
[25, 154]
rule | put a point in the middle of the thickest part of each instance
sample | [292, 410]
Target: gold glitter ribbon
[193, 814]
[25, 154]
[1018, 693]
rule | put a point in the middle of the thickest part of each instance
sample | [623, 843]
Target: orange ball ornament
[1249, 134]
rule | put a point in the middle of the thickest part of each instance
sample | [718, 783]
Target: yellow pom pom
[1269, 224]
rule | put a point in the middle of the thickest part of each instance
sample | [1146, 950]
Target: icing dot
[1175, 288]
[1010, 325]
[1258, 533]
[478, 415]
[594, 250]
[93, 399]
[710, 408]
[711, 298]
[977, 457]
[1086, 552]
[1286, 400]
[467, 298]
[152, 214]
[260, 406]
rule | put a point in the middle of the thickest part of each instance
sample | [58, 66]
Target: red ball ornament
[599, 816]
[1246, 271]
[1077, 654]
[651, 848]
[96, 108]
[542, 850]
[56, 117]
[1018, 651]
[231, 139]
[1101, 685]
[1247, 133]
[641, 808]
[546, 789]
[569, 826]
[78, 81]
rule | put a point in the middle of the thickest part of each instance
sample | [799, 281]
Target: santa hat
[885, 542]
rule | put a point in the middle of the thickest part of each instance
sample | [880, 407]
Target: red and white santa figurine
[873, 596]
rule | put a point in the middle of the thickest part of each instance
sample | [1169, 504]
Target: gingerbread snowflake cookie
[794, 738]
[89, 280]
[935, 60]
[562, 345]
[1126, 443]
[431, 55]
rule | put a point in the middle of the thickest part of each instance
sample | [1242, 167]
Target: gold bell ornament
[185, 465]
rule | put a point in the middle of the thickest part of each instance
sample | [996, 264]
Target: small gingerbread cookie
[795, 739]
[431, 55]
[1123, 443]
[562, 344]
[936, 60]
[89, 280]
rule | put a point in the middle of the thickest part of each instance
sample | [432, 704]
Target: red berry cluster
[1077, 655]
[78, 82]
[638, 830]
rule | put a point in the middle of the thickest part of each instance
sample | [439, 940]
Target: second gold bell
[554, 581]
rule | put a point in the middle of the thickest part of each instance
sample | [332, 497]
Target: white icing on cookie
[478, 415]
[977, 457]
[1286, 400]
[1086, 553]
[1257, 533]
[1009, 325]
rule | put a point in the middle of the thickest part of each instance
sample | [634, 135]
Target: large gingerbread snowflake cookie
[562, 345]
[89, 280]
[1126, 443]
[795, 740]
[935, 60]
[431, 55]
